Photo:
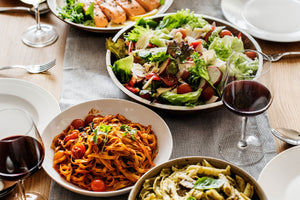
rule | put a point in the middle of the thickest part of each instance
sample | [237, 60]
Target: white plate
[272, 20]
[55, 4]
[280, 179]
[16, 93]
[132, 111]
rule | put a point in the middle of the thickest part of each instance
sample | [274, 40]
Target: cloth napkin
[197, 134]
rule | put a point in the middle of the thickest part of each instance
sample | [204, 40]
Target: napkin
[85, 78]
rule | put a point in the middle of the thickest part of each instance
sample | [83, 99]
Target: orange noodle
[110, 148]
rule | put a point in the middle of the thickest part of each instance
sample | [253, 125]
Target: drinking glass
[247, 92]
[22, 150]
[38, 35]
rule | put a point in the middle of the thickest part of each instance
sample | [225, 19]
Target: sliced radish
[215, 74]
[212, 99]
[207, 93]
[203, 83]
[163, 67]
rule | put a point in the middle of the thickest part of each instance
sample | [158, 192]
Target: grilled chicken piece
[131, 7]
[149, 4]
[112, 11]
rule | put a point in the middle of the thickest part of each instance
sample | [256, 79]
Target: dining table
[284, 111]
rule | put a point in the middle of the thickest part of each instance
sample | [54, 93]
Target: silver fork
[277, 56]
[34, 69]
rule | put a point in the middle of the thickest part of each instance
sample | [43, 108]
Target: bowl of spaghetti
[101, 148]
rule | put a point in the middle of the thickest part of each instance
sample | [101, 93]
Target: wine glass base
[39, 38]
[231, 152]
[31, 196]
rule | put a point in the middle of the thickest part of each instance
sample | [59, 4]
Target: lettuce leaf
[182, 17]
[187, 99]
[225, 46]
[117, 48]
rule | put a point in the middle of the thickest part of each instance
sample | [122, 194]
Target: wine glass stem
[21, 189]
[242, 144]
[37, 15]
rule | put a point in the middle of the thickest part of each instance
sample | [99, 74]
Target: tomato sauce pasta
[110, 148]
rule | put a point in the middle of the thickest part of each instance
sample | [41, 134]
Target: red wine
[20, 156]
[246, 97]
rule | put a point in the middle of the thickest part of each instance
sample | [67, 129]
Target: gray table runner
[85, 78]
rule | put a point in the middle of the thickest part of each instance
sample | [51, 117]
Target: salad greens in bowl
[176, 61]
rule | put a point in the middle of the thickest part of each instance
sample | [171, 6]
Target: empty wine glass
[22, 150]
[247, 92]
[38, 35]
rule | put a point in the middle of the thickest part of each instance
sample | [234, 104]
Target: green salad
[179, 60]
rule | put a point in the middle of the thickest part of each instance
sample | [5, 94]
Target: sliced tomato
[169, 80]
[78, 150]
[130, 47]
[195, 43]
[209, 33]
[132, 89]
[239, 35]
[184, 88]
[225, 32]
[154, 75]
[132, 81]
[72, 136]
[98, 185]
[77, 123]
[251, 54]
[151, 45]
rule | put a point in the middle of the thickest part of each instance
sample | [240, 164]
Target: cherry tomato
[184, 88]
[151, 45]
[207, 93]
[72, 136]
[225, 32]
[169, 79]
[88, 119]
[251, 54]
[98, 185]
[77, 123]
[78, 150]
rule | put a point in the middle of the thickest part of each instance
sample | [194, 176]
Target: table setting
[82, 78]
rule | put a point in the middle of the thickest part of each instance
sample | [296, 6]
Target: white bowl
[248, 40]
[132, 111]
[183, 161]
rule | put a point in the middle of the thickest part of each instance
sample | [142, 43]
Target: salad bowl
[247, 40]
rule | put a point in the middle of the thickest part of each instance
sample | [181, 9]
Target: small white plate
[16, 93]
[132, 111]
[272, 20]
[280, 179]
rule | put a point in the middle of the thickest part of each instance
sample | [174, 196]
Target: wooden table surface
[282, 113]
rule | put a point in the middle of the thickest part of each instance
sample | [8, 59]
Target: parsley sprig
[101, 129]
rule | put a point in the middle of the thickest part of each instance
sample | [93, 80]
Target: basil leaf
[204, 183]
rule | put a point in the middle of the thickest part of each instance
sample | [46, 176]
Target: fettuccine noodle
[116, 151]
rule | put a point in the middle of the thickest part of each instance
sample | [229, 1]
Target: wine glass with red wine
[247, 92]
[22, 150]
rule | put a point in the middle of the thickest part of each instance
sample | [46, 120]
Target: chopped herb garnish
[102, 129]
[128, 130]
[161, 2]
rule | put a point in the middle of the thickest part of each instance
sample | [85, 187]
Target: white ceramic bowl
[54, 6]
[183, 161]
[132, 111]
[249, 43]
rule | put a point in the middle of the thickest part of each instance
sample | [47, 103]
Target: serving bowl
[259, 194]
[249, 43]
[55, 5]
[130, 110]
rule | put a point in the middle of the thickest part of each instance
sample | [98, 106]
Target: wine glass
[38, 35]
[22, 150]
[247, 92]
